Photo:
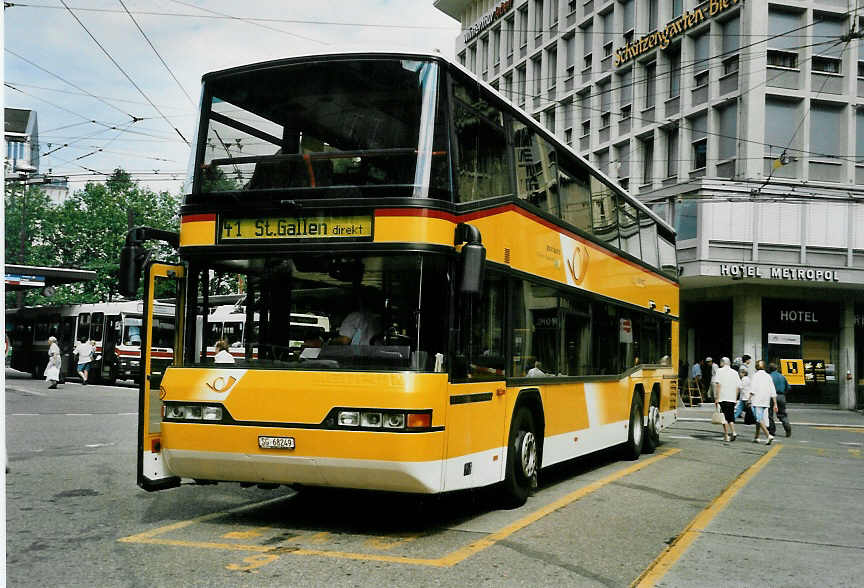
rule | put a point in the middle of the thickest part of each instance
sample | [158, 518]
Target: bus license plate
[276, 442]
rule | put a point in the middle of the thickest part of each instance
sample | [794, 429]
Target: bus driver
[362, 324]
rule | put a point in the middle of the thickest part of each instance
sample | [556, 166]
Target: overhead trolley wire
[128, 77]
[146, 38]
[248, 21]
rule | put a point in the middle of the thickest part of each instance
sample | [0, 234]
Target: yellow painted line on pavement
[850, 429]
[152, 537]
[664, 562]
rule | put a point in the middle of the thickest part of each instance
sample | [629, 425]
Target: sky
[57, 68]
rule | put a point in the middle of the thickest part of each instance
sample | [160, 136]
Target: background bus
[115, 327]
[228, 322]
[497, 304]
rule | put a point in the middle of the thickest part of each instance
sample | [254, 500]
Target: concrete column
[747, 324]
[846, 361]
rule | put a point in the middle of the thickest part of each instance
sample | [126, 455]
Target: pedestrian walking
[708, 375]
[762, 396]
[726, 386]
[696, 375]
[84, 351]
[52, 369]
[743, 403]
[781, 385]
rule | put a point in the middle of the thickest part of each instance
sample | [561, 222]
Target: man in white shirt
[762, 395]
[726, 384]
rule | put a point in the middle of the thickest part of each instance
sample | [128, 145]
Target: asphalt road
[699, 512]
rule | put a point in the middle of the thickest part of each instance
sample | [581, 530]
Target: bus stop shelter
[22, 277]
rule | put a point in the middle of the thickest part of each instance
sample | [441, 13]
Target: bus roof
[527, 118]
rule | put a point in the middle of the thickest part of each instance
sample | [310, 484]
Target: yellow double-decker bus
[495, 304]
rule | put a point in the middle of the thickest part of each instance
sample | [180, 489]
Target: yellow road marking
[251, 533]
[152, 537]
[850, 429]
[664, 562]
[855, 452]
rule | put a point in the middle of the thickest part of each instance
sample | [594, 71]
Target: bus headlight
[349, 418]
[394, 420]
[370, 419]
[193, 412]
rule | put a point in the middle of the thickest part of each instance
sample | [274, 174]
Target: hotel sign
[487, 19]
[779, 273]
[663, 37]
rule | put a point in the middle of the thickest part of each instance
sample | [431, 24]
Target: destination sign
[296, 227]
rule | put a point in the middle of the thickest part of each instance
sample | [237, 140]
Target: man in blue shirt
[782, 386]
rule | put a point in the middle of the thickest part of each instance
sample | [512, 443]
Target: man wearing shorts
[762, 396]
[726, 384]
[84, 351]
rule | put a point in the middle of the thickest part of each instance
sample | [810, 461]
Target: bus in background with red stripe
[496, 304]
[114, 327]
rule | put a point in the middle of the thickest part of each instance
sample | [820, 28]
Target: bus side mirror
[472, 259]
[131, 257]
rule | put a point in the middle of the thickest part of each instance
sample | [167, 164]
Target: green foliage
[86, 232]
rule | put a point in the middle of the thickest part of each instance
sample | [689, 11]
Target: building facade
[742, 123]
[21, 135]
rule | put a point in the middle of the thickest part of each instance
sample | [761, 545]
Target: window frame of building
[537, 73]
[496, 46]
[625, 91]
[673, 135]
[647, 145]
[783, 49]
[650, 97]
[674, 87]
[727, 144]
[538, 22]
[523, 27]
[604, 90]
[608, 20]
[553, 13]
[653, 15]
[551, 68]
[509, 34]
[522, 84]
[587, 46]
[699, 141]
[824, 138]
[701, 60]
[484, 54]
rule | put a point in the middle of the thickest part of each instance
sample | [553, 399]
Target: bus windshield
[359, 127]
[383, 312]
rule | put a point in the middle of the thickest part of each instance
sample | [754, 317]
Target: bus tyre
[523, 459]
[652, 430]
[636, 429]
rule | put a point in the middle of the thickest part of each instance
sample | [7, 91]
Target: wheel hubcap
[654, 420]
[529, 455]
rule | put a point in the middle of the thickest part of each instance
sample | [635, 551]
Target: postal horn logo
[221, 383]
[577, 265]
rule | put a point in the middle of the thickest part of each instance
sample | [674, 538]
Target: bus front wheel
[636, 429]
[522, 459]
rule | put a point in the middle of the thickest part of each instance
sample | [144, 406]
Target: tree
[88, 231]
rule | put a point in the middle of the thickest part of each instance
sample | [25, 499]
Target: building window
[730, 65]
[648, 160]
[523, 26]
[699, 140]
[826, 64]
[551, 68]
[587, 46]
[650, 83]
[537, 72]
[625, 83]
[538, 21]
[781, 121]
[622, 156]
[685, 219]
[484, 54]
[672, 153]
[605, 103]
[608, 33]
[521, 85]
[652, 15]
[782, 59]
[784, 40]
[827, 129]
[570, 49]
[462, 59]
[628, 17]
[568, 114]
[827, 50]
[472, 58]
[700, 60]
[728, 131]
[859, 135]
[496, 46]
[509, 32]
[508, 87]
[550, 120]
[553, 13]
[675, 73]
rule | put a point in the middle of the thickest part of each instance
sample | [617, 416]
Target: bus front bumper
[394, 476]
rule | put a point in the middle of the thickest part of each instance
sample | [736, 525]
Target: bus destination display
[296, 227]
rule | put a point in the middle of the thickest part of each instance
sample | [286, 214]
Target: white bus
[227, 322]
[115, 328]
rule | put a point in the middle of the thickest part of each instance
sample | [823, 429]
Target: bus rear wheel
[523, 459]
[636, 429]
[652, 432]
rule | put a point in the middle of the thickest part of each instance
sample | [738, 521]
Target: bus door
[162, 281]
[67, 344]
[108, 366]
